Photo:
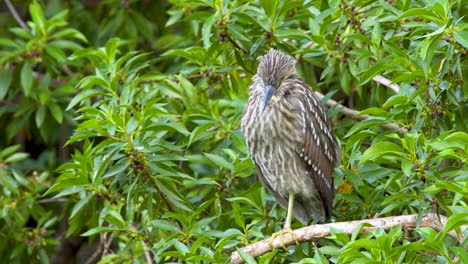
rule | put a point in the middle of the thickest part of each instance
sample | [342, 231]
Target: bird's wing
[320, 150]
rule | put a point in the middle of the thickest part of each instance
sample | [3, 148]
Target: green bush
[147, 96]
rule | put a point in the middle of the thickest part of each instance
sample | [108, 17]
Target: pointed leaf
[26, 78]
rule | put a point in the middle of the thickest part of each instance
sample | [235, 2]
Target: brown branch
[107, 247]
[15, 15]
[354, 114]
[67, 70]
[235, 44]
[163, 196]
[52, 200]
[386, 82]
[316, 232]
[147, 254]
[92, 259]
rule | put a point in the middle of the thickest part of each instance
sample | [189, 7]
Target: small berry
[137, 166]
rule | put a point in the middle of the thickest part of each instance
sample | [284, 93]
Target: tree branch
[147, 253]
[353, 113]
[386, 82]
[92, 259]
[316, 232]
[15, 15]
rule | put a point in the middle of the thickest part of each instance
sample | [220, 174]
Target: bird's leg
[287, 224]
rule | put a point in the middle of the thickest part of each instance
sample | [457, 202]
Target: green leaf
[26, 78]
[79, 206]
[246, 257]
[132, 125]
[376, 69]
[424, 13]
[371, 122]
[453, 222]
[373, 111]
[113, 217]
[64, 184]
[101, 229]
[206, 31]
[462, 38]
[165, 225]
[292, 33]
[68, 33]
[16, 157]
[461, 252]
[395, 100]
[220, 161]
[5, 79]
[38, 17]
[56, 112]
[238, 216]
[40, 115]
[381, 149]
[269, 6]
[8, 151]
[86, 94]
[173, 196]
[181, 247]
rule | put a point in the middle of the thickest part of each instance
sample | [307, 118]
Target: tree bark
[316, 232]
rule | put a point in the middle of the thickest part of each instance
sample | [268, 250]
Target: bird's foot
[281, 234]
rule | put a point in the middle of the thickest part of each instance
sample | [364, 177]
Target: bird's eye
[287, 93]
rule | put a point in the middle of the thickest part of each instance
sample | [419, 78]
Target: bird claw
[281, 234]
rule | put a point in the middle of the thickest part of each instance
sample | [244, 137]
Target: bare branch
[97, 252]
[15, 14]
[353, 113]
[148, 257]
[107, 249]
[316, 232]
[386, 82]
[51, 200]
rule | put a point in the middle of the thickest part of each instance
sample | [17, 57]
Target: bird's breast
[274, 141]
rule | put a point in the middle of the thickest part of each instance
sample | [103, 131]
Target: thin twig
[148, 257]
[97, 252]
[15, 14]
[67, 70]
[386, 82]
[441, 65]
[235, 44]
[163, 196]
[52, 200]
[107, 245]
[316, 232]
[354, 114]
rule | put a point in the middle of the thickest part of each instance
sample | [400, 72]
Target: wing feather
[320, 148]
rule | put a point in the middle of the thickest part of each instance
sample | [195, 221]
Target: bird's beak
[269, 89]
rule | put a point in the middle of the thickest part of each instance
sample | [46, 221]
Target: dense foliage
[121, 140]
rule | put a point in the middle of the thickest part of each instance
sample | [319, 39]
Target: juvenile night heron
[291, 140]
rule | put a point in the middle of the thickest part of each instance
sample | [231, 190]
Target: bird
[290, 140]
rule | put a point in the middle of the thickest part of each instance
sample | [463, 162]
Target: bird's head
[275, 70]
